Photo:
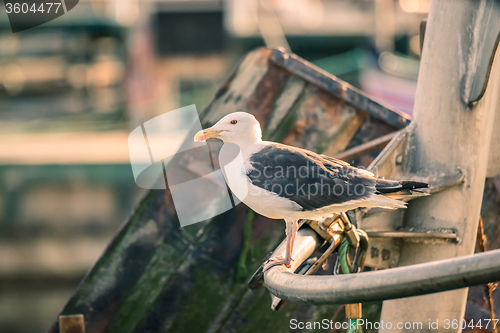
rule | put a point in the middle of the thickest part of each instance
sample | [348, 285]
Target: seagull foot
[276, 262]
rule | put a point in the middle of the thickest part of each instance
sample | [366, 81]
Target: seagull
[291, 183]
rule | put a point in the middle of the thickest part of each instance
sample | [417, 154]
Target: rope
[344, 266]
[490, 287]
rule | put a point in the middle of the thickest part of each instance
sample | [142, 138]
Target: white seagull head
[240, 128]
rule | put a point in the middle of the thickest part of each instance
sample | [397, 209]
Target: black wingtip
[391, 186]
[411, 185]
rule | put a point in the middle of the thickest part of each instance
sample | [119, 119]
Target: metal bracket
[329, 228]
[449, 235]
[479, 49]
[350, 231]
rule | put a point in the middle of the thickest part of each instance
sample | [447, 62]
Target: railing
[386, 284]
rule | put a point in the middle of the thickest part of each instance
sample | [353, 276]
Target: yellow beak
[205, 134]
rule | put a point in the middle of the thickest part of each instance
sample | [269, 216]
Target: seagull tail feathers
[383, 201]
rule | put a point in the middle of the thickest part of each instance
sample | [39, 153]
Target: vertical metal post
[447, 133]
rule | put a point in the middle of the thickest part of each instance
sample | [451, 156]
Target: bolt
[386, 254]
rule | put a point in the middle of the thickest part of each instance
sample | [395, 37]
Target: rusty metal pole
[447, 133]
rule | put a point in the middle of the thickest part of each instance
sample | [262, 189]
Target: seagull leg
[291, 231]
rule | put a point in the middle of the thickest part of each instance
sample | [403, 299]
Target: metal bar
[410, 234]
[308, 247]
[380, 285]
[340, 89]
[365, 148]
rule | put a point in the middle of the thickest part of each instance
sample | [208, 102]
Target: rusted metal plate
[156, 277]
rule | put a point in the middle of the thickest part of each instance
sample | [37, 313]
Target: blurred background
[72, 90]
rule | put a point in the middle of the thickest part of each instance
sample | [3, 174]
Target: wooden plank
[365, 148]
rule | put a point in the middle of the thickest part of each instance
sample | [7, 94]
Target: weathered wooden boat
[157, 277]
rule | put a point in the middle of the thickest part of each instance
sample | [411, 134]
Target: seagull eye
[233, 122]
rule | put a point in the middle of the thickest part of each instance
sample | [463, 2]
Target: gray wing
[309, 179]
